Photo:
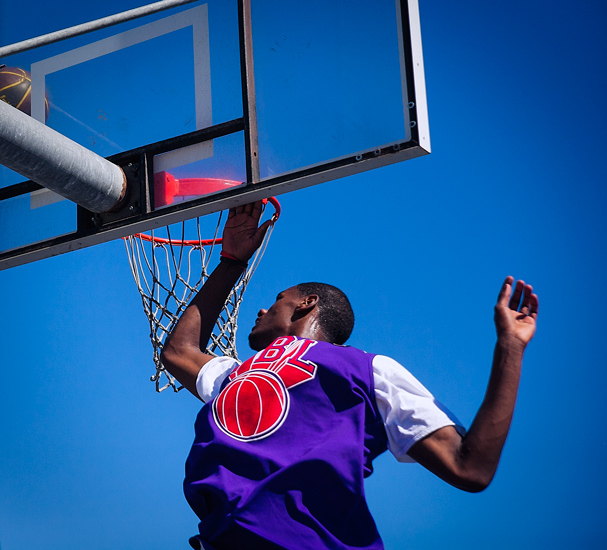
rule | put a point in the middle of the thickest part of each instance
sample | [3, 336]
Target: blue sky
[91, 457]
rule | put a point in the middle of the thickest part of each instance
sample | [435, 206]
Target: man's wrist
[229, 259]
[511, 343]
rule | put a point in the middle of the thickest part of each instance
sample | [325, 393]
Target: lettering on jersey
[255, 403]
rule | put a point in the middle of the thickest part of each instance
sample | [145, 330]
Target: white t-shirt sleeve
[212, 375]
[408, 409]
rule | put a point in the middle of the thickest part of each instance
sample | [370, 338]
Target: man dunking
[284, 440]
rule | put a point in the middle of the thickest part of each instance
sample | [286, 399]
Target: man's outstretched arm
[470, 462]
[183, 352]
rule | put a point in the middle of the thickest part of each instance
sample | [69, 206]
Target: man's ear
[307, 304]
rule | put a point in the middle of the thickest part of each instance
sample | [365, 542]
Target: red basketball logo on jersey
[256, 401]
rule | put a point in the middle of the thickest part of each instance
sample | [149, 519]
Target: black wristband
[233, 261]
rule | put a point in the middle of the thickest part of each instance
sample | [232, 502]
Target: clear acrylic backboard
[322, 90]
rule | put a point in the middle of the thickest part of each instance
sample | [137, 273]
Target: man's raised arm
[470, 462]
[183, 352]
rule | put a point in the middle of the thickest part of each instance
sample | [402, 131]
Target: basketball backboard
[322, 90]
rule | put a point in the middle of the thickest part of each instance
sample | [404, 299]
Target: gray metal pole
[102, 23]
[49, 158]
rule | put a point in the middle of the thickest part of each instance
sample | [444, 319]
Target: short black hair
[335, 313]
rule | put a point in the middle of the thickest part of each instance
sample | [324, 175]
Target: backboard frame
[136, 214]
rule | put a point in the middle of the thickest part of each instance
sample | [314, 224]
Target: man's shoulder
[344, 349]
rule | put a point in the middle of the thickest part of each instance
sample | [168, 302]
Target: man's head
[310, 310]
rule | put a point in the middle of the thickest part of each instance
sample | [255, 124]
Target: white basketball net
[168, 273]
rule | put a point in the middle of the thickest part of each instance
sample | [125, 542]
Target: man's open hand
[516, 311]
[242, 234]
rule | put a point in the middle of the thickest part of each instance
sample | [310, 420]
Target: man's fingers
[511, 293]
[527, 291]
[262, 230]
[251, 209]
[534, 305]
[242, 236]
[504, 294]
[256, 209]
[515, 299]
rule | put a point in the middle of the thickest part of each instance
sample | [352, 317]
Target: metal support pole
[49, 158]
[84, 28]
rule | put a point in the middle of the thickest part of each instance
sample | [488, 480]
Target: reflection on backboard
[265, 96]
[168, 189]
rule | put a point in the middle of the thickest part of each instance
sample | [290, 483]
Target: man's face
[276, 321]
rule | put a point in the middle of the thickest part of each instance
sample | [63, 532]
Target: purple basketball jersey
[280, 454]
